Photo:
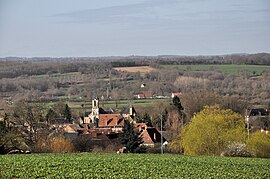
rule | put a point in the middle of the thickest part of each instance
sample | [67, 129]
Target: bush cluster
[259, 144]
[236, 150]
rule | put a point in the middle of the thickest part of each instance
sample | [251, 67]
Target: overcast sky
[133, 27]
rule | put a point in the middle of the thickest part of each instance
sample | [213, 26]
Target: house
[258, 119]
[71, 131]
[144, 95]
[151, 135]
[178, 94]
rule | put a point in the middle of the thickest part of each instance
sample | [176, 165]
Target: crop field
[142, 69]
[227, 69]
[90, 165]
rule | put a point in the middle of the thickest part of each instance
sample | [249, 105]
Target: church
[107, 121]
[99, 121]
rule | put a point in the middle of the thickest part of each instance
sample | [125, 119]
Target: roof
[71, 128]
[102, 111]
[126, 110]
[258, 112]
[154, 135]
[110, 120]
[140, 125]
[144, 95]
[177, 94]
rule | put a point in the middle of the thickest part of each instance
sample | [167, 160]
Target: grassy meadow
[229, 69]
[114, 104]
[91, 165]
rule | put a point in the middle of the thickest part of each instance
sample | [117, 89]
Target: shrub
[60, 145]
[84, 143]
[156, 149]
[111, 148]
[175, 145]
[236, 150]
[259, 144]
[41, 146]
[97, 149]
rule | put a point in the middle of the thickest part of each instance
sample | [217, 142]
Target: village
[101, 128]
[134, 89]
[97, 124]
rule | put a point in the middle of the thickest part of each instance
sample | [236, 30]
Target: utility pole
[107, 92]
[247, 120]
[161, 137]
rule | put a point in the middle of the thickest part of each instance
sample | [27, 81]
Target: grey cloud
[133, 12]
[169, 14]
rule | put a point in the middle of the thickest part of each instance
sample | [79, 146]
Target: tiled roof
[110, 120]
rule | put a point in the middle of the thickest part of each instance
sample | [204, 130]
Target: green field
[109, 104]
[90, 165]
[227, 69]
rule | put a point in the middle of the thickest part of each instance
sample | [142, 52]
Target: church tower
[95, 108]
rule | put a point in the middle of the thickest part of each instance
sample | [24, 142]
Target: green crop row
[90, 165]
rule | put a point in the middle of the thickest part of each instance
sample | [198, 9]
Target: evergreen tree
[145, 119]
[180, 109]
[177, 103]
[67, 112]
[130, 138]
[50, 115]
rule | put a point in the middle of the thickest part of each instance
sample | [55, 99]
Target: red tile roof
[110, 120]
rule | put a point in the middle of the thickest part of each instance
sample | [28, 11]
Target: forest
[61, 79]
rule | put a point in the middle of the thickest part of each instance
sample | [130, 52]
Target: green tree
[146, 119]
[211, 131]
[59, 109]
[180, 109]
[259, 144]
[176, 117]
[177, 103]
[67, 112]
[130, 138]
[50, 115]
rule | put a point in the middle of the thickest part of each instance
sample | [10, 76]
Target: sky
[80, 28]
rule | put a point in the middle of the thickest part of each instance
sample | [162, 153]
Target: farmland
[142, 69]
[227, 69]
[117, 104]
[86, 165]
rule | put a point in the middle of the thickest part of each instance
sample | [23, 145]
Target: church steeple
[95, 107]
